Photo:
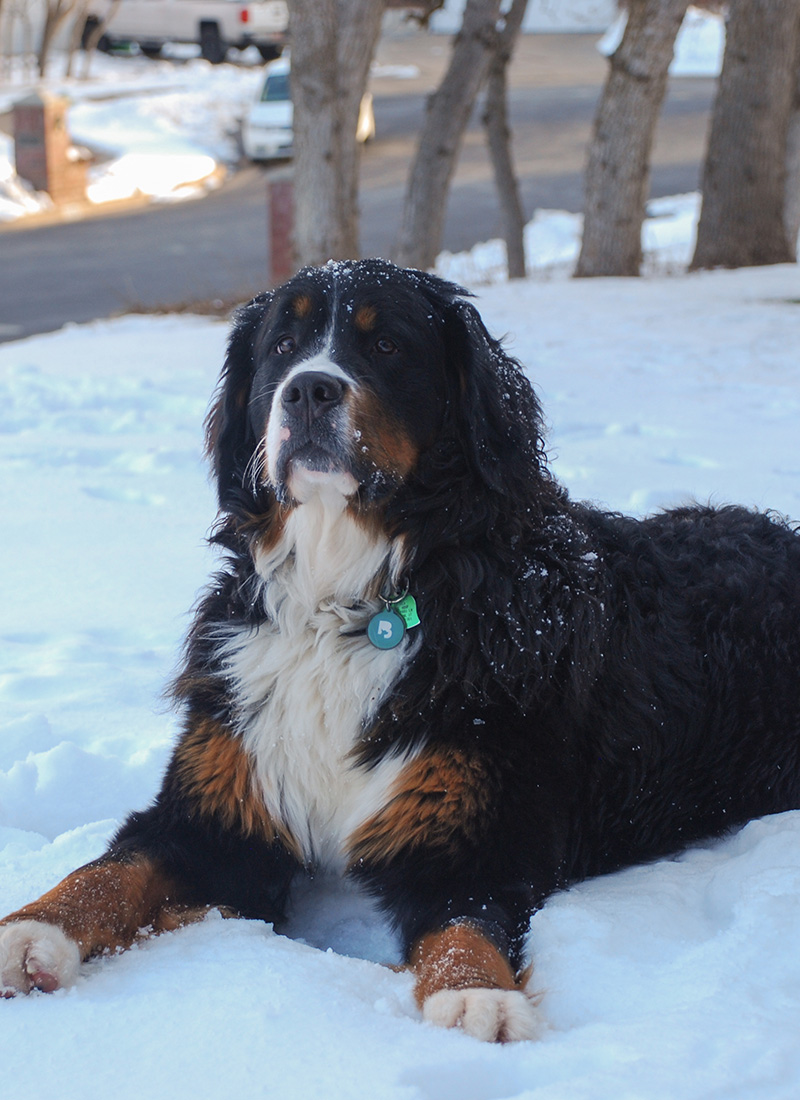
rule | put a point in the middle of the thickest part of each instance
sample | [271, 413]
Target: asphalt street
[214, 249]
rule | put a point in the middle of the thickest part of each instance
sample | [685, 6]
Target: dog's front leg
[206, 841]
[464, 980]
[431, 857]
[98, 908]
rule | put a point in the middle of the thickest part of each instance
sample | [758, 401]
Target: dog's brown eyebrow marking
[301, 306]
[366, 318]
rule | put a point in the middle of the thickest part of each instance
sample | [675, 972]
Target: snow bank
[553, 240]
[679, 979]
[699, 46]
[158, 129]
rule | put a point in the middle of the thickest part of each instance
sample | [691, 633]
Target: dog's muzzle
[311, 411]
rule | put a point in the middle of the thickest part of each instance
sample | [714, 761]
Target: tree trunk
[3, 55]
[791, 208]
[448, 112]
[744, 178]
[333, 42]
[75, 35]
[498, 135]
[55, 12]
[618, 170]
[17, 14]
[92, 39]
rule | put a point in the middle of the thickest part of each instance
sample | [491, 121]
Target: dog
[423, 666]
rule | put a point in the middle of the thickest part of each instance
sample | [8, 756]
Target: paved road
[216, 248]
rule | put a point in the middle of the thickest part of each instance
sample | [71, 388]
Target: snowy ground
[169, 130]
[680, 979]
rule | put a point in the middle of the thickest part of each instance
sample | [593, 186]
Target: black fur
[628, 687]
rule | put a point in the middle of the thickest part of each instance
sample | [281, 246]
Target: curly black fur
[628, 687]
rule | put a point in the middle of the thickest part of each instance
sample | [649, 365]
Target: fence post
[280, 212]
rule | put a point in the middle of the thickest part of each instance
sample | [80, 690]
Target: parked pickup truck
[214, 24]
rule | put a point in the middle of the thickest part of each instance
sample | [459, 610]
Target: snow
[678, 979]
[681, 978]
[553, 239]
[541, 16]
[163, 130]
[169, 130]
[698, 48]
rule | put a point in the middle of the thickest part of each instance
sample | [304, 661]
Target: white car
[267, 128]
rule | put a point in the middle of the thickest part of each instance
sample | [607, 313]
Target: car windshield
[275, 87]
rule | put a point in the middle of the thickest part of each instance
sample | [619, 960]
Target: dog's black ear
[497, 415]
[230, 440]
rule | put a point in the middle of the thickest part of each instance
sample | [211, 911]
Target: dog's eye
[285, 345]
[385, 346]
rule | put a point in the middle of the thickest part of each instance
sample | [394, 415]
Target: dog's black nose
[312, 394]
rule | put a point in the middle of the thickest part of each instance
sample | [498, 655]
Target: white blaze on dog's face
[345, 393]
[308, 429]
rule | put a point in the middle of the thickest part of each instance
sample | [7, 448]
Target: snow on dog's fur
[583, 691]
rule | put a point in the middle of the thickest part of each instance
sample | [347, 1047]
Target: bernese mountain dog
[424, 667]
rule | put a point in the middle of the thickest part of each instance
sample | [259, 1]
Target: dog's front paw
[494, 1015]
[34, 955]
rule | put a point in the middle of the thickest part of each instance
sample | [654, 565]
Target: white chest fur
[308, 681]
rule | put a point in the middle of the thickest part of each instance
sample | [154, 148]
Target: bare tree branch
[498, 135]
[448, 113]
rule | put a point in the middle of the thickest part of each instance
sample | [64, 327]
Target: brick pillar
[43, 151]
[280, 206]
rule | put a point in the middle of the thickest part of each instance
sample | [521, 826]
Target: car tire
[212, 47]
[269, 52]
[89, 27]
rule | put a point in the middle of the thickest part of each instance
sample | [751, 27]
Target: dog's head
[348, 376]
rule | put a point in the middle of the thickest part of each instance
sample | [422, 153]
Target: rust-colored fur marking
[216, 774]
[382, 439]
[301, 306]
[365, 318]
[268, 527]
[458, 957]
[104, 905]
[438, 798]
[178, 916]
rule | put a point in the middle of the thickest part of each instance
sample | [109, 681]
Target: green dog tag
[407, 610]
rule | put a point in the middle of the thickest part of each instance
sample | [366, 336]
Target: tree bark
[744, 178]
[498, 136]
[333, 42]
[448, 112]
[3, 55]
[92, 39]
[791, 208]
[618, 170]
[75, 35]
[55, 12]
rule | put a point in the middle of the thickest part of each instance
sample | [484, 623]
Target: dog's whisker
[254, 470]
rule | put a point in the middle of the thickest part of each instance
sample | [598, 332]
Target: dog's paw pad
[35, 955]
[494, 1015]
